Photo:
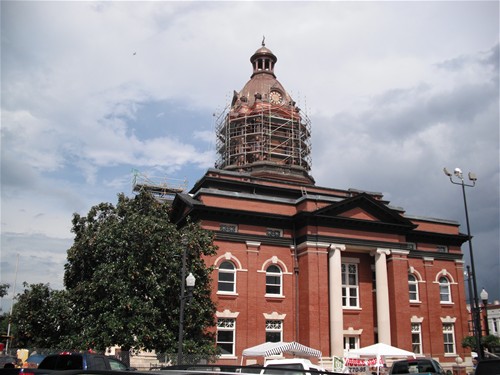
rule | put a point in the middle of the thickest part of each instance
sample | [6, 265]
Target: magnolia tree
[123, 281]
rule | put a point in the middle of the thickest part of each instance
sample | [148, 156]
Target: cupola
[263, 132]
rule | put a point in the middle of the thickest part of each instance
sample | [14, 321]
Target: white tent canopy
[381, 350]
[274, 348]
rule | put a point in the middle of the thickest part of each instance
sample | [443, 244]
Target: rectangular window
[274, 330]
[351, 342]
[449, 338]
[226, 336]
[416, 338]
[350, 296]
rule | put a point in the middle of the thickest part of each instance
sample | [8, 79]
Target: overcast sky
[92, 91]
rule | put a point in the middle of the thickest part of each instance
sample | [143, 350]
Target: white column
[383, 315]
[336, 313]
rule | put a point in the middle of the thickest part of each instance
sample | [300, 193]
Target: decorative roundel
[275, 97]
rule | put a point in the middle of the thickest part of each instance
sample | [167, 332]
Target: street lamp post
[475, 306]
[484, 298]
[188, 282]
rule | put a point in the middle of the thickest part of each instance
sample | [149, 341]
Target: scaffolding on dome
[163, 189]
[269, 134]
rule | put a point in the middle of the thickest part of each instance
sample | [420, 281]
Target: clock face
[275, 97]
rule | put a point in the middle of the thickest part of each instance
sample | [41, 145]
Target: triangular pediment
[359, 213]
[363, 208]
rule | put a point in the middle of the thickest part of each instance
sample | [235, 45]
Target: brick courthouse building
[329, 268]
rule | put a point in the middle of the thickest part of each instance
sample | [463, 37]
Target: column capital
[380, 251]
[336, 246]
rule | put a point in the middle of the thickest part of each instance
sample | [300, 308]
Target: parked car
[293, 366]
[488, 367]
[33, 360]
[7, 361]
[427, 366]
[77, 361]
[55, 363]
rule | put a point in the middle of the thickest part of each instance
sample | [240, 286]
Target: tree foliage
[3, 289]
[488, 341]
[123, 278]
[40, 316]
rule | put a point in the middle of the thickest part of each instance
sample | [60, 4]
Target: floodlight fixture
[457, 177]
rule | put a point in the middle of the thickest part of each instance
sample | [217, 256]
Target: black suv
[488, 367]
[417, 366]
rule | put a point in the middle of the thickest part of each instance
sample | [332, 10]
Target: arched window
[273, 280]
[413, 287]
[227, 278]
[444, 289]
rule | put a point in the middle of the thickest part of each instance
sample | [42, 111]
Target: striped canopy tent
[275, 348]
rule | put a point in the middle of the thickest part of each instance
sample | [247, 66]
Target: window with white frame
[227, 278]
[413, 287]
[444, 290]
[274, 330]
[449, 338]
[416, 338]
[273, 280]
[351, 342]
[350, 296]
[226, 329]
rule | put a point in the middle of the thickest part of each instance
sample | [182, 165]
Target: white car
[275, 366]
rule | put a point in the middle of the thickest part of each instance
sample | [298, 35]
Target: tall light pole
[457, 173]
[188, 282]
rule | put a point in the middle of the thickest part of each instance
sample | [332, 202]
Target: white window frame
[416, 338]
[274, 326]
[413, 284]
[351, 342]
[227, 325]
[226, 271]
[445, 290]
[279, 284]
[449, 338]
[350, 288]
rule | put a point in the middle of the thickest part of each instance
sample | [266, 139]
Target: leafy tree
[123, 278]
[4, 318]
[39, 317]
[489, 341]
[3, 290]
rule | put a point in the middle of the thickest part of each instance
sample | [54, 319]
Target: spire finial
[263, 41]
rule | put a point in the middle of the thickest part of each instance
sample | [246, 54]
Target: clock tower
[263, 132]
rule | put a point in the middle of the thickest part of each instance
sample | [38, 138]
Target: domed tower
[264, 133]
